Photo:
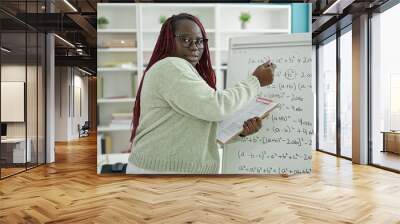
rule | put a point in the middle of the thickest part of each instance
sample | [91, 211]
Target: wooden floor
[10, 171]
[387, 159]
[70, 191]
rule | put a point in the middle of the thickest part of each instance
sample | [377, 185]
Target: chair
[84, 130]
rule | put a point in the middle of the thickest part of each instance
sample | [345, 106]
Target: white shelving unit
[117, 69]
[113, 128]
[118, 100]
[133, 30]
[116, 31]
[246, 31]
[104, 159]
[116, 49]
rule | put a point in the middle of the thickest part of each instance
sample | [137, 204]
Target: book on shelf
[99, 87]
[121, 120]
[119, 65]
[128, 66]
[116, 97]
[118, 43]
[122, 116]
[106, 144]
[121, 127]
[103, 145]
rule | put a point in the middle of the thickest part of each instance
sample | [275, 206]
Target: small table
[391, 141]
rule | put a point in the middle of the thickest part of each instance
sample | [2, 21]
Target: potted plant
[102, 22]
[244, 18]
[162, 19]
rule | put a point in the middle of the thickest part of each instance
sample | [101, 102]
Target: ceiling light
[64, 40]
[122, 42]
[70, 5]
[338, 6]
[86, 72]
[5, 50]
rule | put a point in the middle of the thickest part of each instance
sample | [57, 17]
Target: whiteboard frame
[16, 113]
[269, 40]
[274, 40]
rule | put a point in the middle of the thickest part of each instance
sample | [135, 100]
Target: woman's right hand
[265, 73]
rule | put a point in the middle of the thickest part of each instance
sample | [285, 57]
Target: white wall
[79, 117]
[14, 73]
[68, 82]
[17, 73]
[61, 103]
[33, 126]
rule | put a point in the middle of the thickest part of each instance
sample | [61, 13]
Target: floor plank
[387, 159]
[70, 191]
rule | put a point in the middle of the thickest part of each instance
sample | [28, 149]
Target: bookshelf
[116, 49]
[117, 100]
[116, 31]
[125, 46]
[113, 128]
[117, 69]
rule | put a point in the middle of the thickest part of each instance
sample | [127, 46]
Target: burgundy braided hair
[165, 46]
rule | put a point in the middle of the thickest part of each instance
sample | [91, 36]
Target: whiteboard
[283, 144]
[12, 101]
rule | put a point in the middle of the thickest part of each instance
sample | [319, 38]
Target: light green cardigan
[178, 118]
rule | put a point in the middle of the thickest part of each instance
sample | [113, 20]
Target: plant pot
[243, 25]
[101, 26]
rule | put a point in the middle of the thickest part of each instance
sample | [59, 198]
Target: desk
[391, 141]
[16, 147]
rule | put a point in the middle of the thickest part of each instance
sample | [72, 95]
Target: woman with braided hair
[177, 105]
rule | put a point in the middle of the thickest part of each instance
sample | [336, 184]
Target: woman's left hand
[251, 126]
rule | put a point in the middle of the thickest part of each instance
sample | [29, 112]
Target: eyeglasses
[187, 42]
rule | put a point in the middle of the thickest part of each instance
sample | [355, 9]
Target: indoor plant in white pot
[162, 19]
[244, 18]
[102, 22]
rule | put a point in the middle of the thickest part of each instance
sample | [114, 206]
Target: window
[385, 89]
[394, 101]
[346, 93]
[314, 89]
[22, 67]
[327, 96]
